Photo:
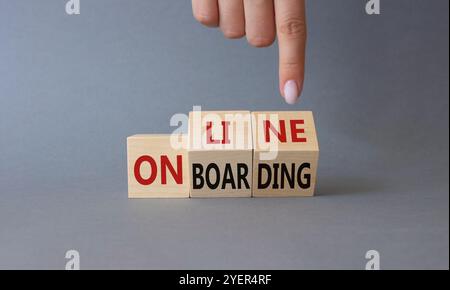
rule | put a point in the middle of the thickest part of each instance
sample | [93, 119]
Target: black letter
[275, 175]
[269, 175]
[208, 181]
[307, 176]
[197, 175]
[228, 177]
[290, 177]
[242, 176]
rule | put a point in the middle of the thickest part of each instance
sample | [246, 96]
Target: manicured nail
[291, 92]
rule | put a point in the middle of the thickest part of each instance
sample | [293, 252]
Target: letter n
[176, 174]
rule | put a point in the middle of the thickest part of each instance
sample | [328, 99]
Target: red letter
[178, 175]
[281, 135]
[137, 170]
[295, 131]
[210, 140]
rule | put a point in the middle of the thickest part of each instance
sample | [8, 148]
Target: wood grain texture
[155, 146]
[285, 162]
[224, 162]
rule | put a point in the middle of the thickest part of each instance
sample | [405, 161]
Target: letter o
[208, 181]
[137, 170]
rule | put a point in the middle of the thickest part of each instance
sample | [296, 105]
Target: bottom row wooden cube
[155, 168]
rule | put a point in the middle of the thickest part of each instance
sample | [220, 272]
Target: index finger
[290, 21]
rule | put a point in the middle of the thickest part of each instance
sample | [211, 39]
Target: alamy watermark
[373, 257]
[372, 7]
[73, 260]
[372, 260]
[227, 131]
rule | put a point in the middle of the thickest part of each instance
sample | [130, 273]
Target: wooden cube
[220, 154]
[156, 168]
[286, 154]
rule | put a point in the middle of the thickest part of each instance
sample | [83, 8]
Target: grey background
[73, 87]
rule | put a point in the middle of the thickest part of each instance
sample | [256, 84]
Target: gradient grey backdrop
[72, 88]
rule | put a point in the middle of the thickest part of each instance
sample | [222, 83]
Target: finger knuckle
[293, 27]
[232, 33]
[205, 19]
[260, 41]
[290, 64]
[294, 67]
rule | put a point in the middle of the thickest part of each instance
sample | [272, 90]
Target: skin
[261, 21]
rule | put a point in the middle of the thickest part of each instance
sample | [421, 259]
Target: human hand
[261, 21]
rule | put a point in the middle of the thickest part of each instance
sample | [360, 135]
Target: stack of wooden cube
[227, 154]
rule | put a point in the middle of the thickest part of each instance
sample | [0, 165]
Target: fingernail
[291, 92]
